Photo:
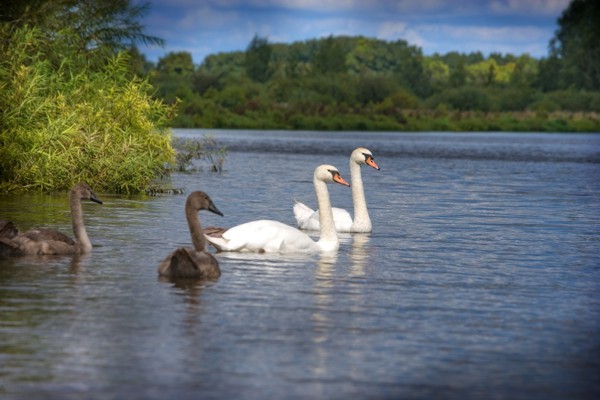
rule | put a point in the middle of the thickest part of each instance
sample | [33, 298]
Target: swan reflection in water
[326, 293]
[77, 269]
[324, 282]
[190, 290]
[359, 254]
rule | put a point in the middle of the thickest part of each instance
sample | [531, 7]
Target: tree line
[362, 83]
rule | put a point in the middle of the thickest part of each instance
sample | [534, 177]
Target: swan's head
[329, 173]
[201, 201]
[83, 191]
[363, 155]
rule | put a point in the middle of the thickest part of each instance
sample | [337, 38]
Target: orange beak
[338, 178]
[371, 163]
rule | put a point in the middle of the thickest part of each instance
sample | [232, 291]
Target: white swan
[187, 262]
[307, 218]
[45, 241]
[272, 236]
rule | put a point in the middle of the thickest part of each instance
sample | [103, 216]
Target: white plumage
[273, 236]
[308, 219]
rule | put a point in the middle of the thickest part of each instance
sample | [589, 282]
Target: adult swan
[267, 236]
[307, 218]
[45, 241]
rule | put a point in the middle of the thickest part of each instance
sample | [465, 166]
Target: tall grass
[62, 121]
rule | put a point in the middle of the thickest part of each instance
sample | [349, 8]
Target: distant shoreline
[416, 121]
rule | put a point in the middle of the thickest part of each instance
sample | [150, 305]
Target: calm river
[481, 280]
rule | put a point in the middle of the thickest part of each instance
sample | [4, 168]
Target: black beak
[95, 199]
[213, 208]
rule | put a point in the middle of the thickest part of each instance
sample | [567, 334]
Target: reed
[205, 150]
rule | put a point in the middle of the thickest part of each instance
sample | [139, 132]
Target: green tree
[464, 99]
[502, 59]
[330, 58]
[224, 65]
[174, 77]
[94, 25]
[458, 75]
[202, 82]
[258, 57]
[176, 63]
[297, 61]
[410, 69]
[577, 44]
[483, 73]
[373, 89]
[524, 72]
[438, 72]
[139, 65]
[548, 76]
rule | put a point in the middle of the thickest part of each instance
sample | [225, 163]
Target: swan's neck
[329, 239]
[81, 236]
[362, 222]
[195, 229]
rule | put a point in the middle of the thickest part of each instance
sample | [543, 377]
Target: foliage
[62, 123]
[372, 89]
[258, 56]
[330, 57]
[98, 27]
[577, 44]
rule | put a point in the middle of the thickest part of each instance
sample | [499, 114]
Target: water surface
[480, 279]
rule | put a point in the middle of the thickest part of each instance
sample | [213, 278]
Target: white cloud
[399, 30]
[484, 33]
[316, 28]
[311, 5]
[422, 5]
[414, 38]
[539, 7]
[315, 5]
[513, 40]
[321, 6]
[212, 26]
[390, 30]
[207, 17]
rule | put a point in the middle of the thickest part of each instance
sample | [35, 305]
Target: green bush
[66, 122]
[544, 105]
[467, 99]
[571, 100]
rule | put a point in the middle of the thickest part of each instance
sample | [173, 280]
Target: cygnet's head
[201, 201]
[84, 192]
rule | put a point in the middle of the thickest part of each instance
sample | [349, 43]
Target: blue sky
[203, 27]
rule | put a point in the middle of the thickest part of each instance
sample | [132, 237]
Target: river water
[481, 279]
